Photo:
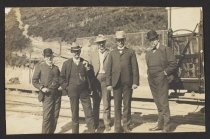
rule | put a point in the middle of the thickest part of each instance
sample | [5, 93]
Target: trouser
[100, 90]
[51, 108]
[159, 87]
[122, 92]
[86, 104]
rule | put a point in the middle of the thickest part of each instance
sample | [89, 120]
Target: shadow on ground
[137, 119]
[191, 118]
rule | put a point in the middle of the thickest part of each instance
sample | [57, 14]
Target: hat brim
[119, 37]
[153, 38]
[48, 55]
[99, 41]
[75, 50]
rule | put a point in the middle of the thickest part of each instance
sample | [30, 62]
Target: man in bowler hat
[161, 63]
[46, 79]
[74, 80]
[122, 76]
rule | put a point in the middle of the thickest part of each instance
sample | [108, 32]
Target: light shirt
[101, 60]
[76, 61]
[120, 49]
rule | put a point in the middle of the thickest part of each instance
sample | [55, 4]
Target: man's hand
[134, 86]
[109, 88]
[86, 64]
[45, 90]
[60, 88]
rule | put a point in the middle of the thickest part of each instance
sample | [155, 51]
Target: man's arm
[172, 64]
[63, 80]
[36, 77]
[135, 68]
[108, 70]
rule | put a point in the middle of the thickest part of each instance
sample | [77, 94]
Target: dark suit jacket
[122, 66]
[65, 75]
[167, 58]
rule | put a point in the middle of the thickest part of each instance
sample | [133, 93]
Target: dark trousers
[99, 92]
[51, 108]
[159, 87]
[86, 104]
[122, 92]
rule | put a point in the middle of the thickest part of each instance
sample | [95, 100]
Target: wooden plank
[26, 87]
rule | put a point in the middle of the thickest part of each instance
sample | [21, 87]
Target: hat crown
[152, 34]
[100, 38]
[47, 52]
[75, 46]
[120, 34]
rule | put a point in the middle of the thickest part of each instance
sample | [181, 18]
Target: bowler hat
[119, 35]
[47, 52]
[75, 47]
[152, 35]
[100, 38]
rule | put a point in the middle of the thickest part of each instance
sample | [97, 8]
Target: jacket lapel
[124, 50]
[105, 55]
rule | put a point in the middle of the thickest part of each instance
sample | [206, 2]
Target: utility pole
[60, 42]
[30, 51]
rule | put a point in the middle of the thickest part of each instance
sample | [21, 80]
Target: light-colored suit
[99, 86]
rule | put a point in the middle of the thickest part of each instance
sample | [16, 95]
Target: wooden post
[30, 69]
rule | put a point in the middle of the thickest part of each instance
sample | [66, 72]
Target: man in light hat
[74, 80]
[98, 58]
[46, 79]
[122, 76]
[161, 63]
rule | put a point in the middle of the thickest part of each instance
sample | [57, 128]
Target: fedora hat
[119, 35]
[47, 52]
[100, 38]
[152, 35]
[75, 47]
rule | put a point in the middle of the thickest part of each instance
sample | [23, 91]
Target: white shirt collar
[76, 61]
[120, 48]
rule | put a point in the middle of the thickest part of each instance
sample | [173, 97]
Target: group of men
[101, 73]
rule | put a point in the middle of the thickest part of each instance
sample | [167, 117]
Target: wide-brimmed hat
[47, 52]
[75, 47]
[152, 35]
[100, 38]
[119, 35]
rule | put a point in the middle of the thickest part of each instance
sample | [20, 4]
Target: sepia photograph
[102, 70]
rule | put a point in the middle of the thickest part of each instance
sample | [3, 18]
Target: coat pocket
[41, 96]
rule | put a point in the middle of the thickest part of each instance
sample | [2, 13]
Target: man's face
[48, 59]
[154, 43]
[76, 54]
[120, 42]
[101, 45]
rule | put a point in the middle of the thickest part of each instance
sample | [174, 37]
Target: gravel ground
[24, 116]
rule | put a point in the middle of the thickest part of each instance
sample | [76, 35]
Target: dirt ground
[24, 116]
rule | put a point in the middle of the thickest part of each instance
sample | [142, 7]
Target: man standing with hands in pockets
[122, 76]
[161, 64]
[98, 58]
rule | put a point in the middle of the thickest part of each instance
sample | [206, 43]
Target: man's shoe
[118, 130]
[107, 128]
[126, 129]
[156, 128]
[165, 130]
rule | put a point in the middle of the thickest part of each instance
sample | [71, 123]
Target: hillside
[69, 23]
[30, 28]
